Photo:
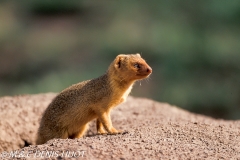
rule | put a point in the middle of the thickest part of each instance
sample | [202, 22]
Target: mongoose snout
[67, 116]
[149, 70]
[143, 69]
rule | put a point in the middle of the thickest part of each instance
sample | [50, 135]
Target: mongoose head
[131, 67]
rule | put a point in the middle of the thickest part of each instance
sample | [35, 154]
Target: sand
[154, 131]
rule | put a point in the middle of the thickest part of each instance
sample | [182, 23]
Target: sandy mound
[155, 131]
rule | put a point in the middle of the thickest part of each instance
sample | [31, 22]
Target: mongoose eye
[136, 65]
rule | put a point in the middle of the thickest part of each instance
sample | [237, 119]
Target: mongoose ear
[138, 55]
[118, 61]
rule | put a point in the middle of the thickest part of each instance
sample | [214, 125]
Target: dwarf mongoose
[70, 111]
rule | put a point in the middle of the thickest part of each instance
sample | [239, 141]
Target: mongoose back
[67, 116]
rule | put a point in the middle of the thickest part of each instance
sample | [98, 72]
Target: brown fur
[68, 114]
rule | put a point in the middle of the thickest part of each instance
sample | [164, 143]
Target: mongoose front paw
[101, 132]
[114, 131]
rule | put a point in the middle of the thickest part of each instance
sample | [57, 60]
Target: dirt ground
[155, 131]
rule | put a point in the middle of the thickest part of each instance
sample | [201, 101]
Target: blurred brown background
[192, 46]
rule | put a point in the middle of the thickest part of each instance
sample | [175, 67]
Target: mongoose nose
[149, 70]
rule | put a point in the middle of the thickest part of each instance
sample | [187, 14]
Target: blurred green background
[192, 46]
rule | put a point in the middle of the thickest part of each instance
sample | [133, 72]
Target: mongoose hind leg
[80, 133]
